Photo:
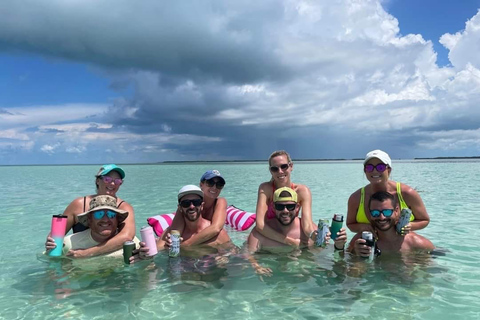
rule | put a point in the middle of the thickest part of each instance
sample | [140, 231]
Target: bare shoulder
[77, 205]
[124, 205]
[266, 189]
[355, 197]
[222, 202]
[302, 189]
[407, 190]
[418, 242]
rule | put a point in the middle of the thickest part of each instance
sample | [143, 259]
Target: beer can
[148, 237]
[337, 224]
[322, 232]
[128, 247]
[404, 219]
[175, 246]
[369, 241]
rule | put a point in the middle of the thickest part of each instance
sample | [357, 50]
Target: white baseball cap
[380, 155]
[190, 189]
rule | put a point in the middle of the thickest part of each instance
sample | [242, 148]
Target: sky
[89, 82]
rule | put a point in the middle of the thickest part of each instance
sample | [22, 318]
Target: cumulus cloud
[239, 79]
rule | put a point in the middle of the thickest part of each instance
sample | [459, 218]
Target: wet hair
[382, 196]
[279, 153]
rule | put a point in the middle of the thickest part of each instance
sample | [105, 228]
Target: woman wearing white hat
[378, 167]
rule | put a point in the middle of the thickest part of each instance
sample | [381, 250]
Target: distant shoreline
[235, 161]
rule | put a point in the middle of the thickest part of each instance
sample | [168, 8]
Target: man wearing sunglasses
[102, 220]
[286, 207]
[384, 214]
[190, 205]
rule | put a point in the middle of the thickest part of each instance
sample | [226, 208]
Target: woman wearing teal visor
[107, 181]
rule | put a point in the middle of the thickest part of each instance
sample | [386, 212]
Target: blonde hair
[279, 153]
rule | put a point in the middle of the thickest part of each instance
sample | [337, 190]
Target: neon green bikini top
[362, 217]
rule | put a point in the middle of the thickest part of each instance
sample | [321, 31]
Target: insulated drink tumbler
[369, 241]
[337, 224]
[149, 238]
[175, 247]
[57, 231]
[128, 247]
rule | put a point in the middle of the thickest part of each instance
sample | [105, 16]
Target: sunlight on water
[311, 284]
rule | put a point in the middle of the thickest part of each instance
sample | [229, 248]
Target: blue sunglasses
[100, 214]
[386, 213]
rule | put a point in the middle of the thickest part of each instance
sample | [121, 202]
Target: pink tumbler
[149, 238]
[59, 224]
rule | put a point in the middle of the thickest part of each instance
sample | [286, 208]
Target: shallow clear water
[306, 285]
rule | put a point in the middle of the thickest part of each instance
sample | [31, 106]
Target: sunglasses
[282, 166]
[220, 184]
[100, 214]
[108, 180]
[379, 167]
[281, 207]
[386, 213]
[186, 203]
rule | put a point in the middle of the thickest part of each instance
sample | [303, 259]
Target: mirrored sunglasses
[386, 213]
[101, 213]
[109, 180]
[379, 167]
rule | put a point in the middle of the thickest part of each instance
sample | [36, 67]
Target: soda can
[337, 224]
[404, 219]
[128, 247]
[175, 246]
[148, 237]
[369, 241]
[322, 232]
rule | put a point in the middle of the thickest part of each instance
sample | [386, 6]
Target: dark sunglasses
[186, 203]
[108, 180]
[281, 207]
[379, 167]
[282, 166]
[101, 213]
[220, 184]
[386, 213]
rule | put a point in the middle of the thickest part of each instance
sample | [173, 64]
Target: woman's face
[376, 171]
[280, 170]
[211, 188]
[109, 183]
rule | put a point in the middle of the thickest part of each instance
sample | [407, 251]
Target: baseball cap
[380, 155]
[190, 189]
[291, 197]
[211, 174]
[106, 168]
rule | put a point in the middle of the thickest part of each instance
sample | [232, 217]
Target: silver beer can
[175, 246]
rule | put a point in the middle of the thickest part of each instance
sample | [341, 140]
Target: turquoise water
[304, 285]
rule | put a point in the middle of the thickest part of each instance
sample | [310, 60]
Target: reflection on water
[306, 283]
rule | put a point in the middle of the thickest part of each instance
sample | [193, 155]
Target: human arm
[352, 224]
[218, 220]
[177, 224]
[253, 245]
[260, 226]
[305, 200]
[126, 233]
[415, 203]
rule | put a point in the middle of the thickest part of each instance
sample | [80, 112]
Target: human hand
[263, 271]
[50, 243]
[79, 253]
[361, 249]
[341, 239]
[140, 254]
[406, 230]
[168, 241]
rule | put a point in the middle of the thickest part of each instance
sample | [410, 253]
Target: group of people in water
[102, 222]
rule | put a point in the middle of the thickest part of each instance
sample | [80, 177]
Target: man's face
[286, 212]
[383, 222]
[191, 205]
[102, 223]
